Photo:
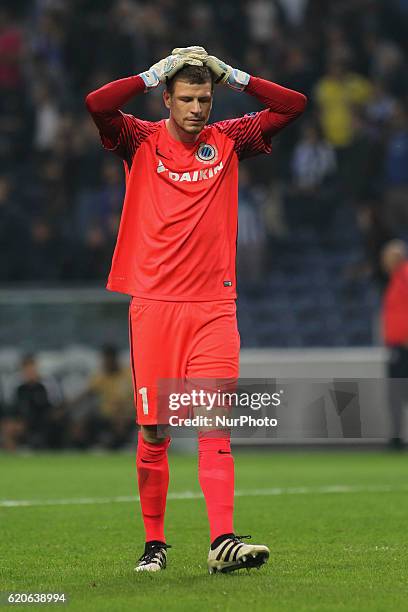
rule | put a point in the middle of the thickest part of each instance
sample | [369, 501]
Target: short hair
[195, 75]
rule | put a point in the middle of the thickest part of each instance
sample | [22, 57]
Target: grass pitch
[336, 524]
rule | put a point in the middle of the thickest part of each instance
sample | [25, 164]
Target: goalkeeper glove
[193, 52]
[225, 74]
[166, 68]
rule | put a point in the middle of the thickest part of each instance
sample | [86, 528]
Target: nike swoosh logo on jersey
[161, 154]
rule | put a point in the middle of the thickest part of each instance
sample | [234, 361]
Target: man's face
[189, 105]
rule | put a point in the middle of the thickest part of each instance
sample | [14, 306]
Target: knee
[152, 452]
[150, 434]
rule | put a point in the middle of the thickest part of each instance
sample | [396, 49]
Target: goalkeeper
[175, 256]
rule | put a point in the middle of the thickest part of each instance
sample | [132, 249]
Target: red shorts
[179, 340]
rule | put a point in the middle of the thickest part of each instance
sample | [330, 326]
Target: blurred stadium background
[313, 216]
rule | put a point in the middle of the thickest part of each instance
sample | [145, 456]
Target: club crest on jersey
[206, 153]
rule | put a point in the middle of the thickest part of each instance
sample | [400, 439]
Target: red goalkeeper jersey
[178, 231]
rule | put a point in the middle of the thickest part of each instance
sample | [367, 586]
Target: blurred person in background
[90, 253]
[336, 93]
[47, 118]
[11, 51]
[125, 34]
[45, 253]
[11, 428]
[375, 234]
[52, 201]
[97, 205]
[395, 327]
[311, 197]
[251, 234]
[113, 387]
[103, 414]
[14, 106]
[265, 20]
[87, 159]
[396, 171]
[36, 416]
[13, 233]
[297, 68]
[362, 184]
[381, 107]
[387, 63]
[47, 42]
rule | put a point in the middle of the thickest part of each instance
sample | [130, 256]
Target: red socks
[216, 476]
[153, 477]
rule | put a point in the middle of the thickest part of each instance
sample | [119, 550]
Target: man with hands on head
[175, 255]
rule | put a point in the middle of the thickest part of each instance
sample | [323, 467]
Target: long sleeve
[104, 104]
[284, 105]
[120, 132]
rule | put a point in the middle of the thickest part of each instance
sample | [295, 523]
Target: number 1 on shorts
[143, 393]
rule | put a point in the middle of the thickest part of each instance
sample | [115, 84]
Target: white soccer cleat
[232, 554]
[154, 557]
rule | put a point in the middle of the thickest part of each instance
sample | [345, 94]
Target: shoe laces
[238, 538]
[150, 554]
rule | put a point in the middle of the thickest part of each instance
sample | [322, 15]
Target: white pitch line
[83, 501]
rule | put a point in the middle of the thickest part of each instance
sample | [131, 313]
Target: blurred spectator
[36, 417]
[313, 159]
[298, 70]
[311, 197]
[14, 118]
[295, 11]
[11, 52]
[48, 43]
[201, 18]
[13, 233]
[87, 160]
[107, 415]
[123, 32]
[361, 171]
[337, 92]
[47, 119]
[16, 123]
[251, 234]
[45, 253]
[382, 105]
[396, 173]
[98, 205]
[52, 191]
[11, 428]
[387, 64]
[395, 322]
[265, 17]
[375, 234]
[92, 257]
